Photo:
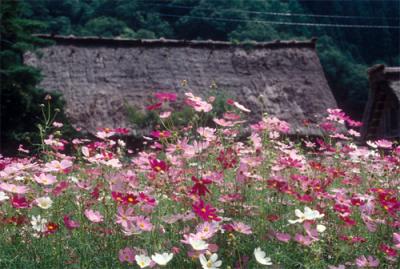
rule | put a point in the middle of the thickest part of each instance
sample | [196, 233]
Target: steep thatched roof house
[99, 76]
[382, 113]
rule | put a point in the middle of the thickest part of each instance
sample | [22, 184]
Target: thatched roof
[384, 93]
[98, 76]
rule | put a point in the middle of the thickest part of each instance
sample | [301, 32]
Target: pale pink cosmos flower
[165, 114]
[125, 217]
[197, 103]
[384, 144]
[206, 230]
[57, 124]
[21, 149]
[275, 124]
[143, 223]
[207, 133]
[45, 179]
[354, 133]
[362, 262]
[94, 216]
[240, 227]
[304, 240]
[56, 166]
[18, 189]
[223, 122]
[396, 239]
[127, 255]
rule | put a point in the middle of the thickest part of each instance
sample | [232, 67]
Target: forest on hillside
[352, 35]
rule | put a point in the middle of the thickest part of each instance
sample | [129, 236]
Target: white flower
[162, 259]
[197, 244]
[212, 263]
[241, 107]
[38, 224]
[44, 202]
[260, 257]
[142, 260]
[321, 228]
[308, 214]
[3, 196]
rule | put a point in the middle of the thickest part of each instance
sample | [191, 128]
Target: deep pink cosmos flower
[391, 252]
[161, 134]
[205, 211]
[70, 224]
[200, 186]
[19, 201]
[153, 107]
[165, 96]
[158, 165]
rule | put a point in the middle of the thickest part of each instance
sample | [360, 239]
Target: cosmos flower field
[203, 197]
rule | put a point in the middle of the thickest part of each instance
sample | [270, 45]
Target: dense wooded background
[345, 52]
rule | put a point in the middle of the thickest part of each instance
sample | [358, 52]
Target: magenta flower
[204, 211]
[19, 201]
[165, 96]
[94, 216]
[283, 237]
[70, 224]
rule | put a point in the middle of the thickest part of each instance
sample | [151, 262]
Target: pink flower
[18, 201]
[70, 224]
[304, 240]
[143, 223]
[125, 217]
[362, 262]
[14, 188]
[165, 115]
[161, 134]
[127, 255]
[197, 103]
[56, 166]
[284, 237]
[207, 133]
[384, 144]
[240, 227]
[45, 179]
[165, 96]
[206, 230]
[396, 239]
[94, 216]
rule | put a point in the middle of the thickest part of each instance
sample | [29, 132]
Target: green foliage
[20, 98]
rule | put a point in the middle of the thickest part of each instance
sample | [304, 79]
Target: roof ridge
[92, 40]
